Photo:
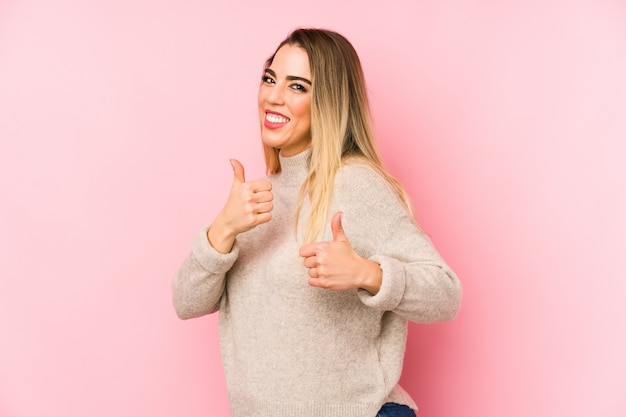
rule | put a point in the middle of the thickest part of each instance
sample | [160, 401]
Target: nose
[276, 95]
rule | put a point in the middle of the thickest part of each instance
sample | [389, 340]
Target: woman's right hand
[249, 204]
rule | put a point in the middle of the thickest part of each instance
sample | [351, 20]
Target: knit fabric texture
[290, 349]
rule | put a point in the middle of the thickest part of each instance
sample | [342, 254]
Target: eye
[267, 79]
[298, 87]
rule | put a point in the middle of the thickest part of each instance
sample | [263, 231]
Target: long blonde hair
[341, 123]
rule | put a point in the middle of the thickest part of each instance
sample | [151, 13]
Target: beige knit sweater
[289, 349]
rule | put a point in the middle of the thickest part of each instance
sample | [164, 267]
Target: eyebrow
[289, 77]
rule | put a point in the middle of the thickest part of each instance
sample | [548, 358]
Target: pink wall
[505, 120]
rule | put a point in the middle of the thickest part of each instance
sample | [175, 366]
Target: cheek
[308, 115]
[304, 109]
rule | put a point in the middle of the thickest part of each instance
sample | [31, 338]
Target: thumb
[238, 170]
[337, 228]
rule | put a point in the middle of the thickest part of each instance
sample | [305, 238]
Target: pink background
[506, 121]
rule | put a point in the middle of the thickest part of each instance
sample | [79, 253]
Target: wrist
[372, 277]
[220, 238]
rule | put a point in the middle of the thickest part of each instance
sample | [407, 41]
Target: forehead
[291, 60]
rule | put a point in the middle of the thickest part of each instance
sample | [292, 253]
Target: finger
[337, 228]
[310, 262]
[238, 171]
[307, 250]
[259, 186]
[261, 218]
[317, 282]
[262, 197]
[263, 207]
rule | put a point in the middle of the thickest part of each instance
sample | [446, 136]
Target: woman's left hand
[336, 266]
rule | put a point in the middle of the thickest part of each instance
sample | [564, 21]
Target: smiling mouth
[275, 119]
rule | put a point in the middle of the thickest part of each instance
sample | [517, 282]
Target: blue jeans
[395, 410]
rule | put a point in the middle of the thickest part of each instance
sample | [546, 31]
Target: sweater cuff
[391, 289]
[209, 258]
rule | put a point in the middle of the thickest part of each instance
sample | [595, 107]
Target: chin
[272, 142]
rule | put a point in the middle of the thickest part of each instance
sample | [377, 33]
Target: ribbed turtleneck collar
[295, 168]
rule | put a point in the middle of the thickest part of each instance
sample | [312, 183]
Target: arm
[416, 282]
[382, 253]
[421, 287]
[199, 282]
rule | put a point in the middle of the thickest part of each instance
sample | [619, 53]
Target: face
[285, 101]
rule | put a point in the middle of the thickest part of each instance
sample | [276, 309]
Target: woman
[316, 268]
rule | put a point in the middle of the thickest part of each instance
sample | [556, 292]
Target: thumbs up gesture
[249, 204]
[336, 266]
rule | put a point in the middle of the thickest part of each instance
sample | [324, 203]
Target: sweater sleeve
[198, 285]
[416, 283]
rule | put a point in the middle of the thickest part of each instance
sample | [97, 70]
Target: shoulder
[356, 178]
[375, 217]
[361, 188]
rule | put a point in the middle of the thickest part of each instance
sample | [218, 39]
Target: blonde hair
[341, 124]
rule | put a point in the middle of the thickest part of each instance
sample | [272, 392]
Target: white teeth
[274, 118]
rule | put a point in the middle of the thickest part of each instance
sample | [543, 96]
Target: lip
[273, 125]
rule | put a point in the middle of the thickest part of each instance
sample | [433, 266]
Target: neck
[294, 169]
